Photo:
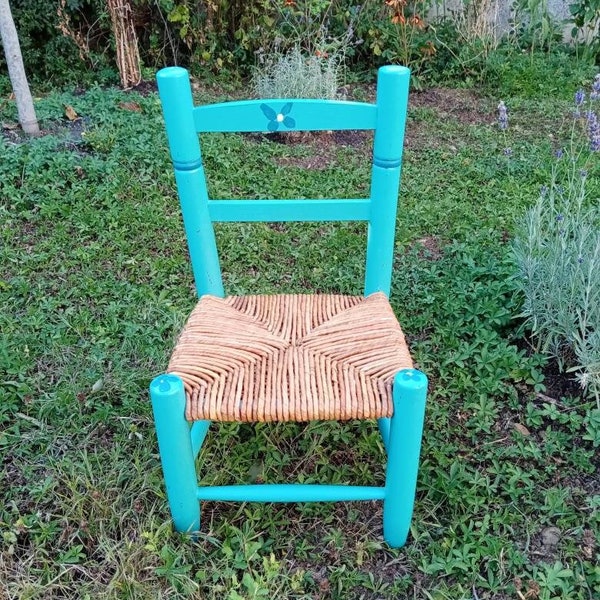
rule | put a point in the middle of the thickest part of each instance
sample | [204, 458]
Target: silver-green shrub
[307, 60]
[297, 74]
[557, 250]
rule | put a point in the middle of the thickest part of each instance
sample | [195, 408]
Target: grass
[95, 283]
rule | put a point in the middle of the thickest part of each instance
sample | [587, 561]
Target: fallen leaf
[134, 106]
[98, 385]
[70, 113]
[522, 429]
[533, 589]
[589, 543]
[9, 126]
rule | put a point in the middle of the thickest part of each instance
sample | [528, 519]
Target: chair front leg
[176, 453]
[403, 448]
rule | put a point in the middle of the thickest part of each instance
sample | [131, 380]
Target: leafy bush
[233, 34]
[397, 32]
[557, 249]
[71, 41]
[535, 26]
[64, 43]
[585, 16]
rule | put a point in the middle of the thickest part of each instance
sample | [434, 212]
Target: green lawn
[95, 284]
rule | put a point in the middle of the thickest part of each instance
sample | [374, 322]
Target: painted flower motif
[277, 118]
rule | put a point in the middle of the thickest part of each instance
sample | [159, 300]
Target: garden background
[497, 284]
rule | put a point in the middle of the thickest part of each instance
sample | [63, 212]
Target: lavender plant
[557, 250]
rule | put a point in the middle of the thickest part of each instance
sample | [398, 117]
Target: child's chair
[289, 357]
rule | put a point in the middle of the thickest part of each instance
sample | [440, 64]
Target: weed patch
[95, 284]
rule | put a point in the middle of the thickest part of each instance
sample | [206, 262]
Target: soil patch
[429, 248]
[145, 88]
[560, 385]
[465, 106]
[71, 133]
[349, 138]
[322, 146]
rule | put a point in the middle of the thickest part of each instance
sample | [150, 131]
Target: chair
[289, 357]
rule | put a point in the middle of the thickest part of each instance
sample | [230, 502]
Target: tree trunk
[16, 71]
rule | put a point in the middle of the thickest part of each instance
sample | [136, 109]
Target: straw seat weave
[290, 358]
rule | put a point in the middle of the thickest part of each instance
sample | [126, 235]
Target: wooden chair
[289, 357]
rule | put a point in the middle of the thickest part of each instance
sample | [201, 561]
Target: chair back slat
[252, 211]
[284, 115]
[184, 122]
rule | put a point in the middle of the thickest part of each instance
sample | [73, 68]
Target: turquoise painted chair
[289, 357]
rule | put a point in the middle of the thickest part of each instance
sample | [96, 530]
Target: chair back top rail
[284, 115]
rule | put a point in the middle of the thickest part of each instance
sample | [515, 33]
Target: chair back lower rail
[230, 211]
[290, 492]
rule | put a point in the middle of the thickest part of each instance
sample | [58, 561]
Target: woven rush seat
[290, 357]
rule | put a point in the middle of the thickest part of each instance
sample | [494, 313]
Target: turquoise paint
[308, 115]
[176, 97]
[176, 453]
[199, 231]
[392, 101]
[289, 210]
[404, 447]
[388, 116]
[290, 492]
[198, 434]
[402, 432]
[384, 430]
[381, 230]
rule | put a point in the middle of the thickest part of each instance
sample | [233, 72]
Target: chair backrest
[387, 117]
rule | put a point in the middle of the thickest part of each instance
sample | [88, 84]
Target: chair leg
[176, 452]
[384, 429]
[403, 448]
